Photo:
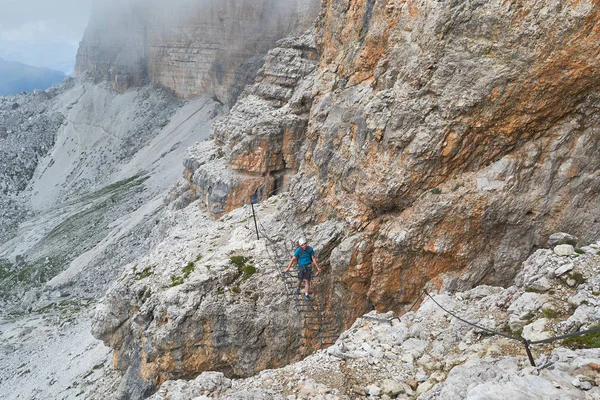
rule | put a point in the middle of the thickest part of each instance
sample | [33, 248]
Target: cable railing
[525, 342]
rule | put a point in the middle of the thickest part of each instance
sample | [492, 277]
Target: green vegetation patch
[68, 310]
[579, 250]
[436, 191]
[534, 290]
[143, 274]
[587, 341]
[177, 280]
[35, 273]
[126, 183]
[188, 269]
[577, 277]
[550, 314]
[5, 268]
[244, 266]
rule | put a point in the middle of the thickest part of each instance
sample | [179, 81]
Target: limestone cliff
[444, 140]
[452, 137]
[188, 46]
[260, 139]
[438, 131]
[209, 297]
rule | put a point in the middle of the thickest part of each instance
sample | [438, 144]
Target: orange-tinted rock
[262, 136]
[467, 131]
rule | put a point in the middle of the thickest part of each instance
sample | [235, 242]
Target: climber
[304, 256]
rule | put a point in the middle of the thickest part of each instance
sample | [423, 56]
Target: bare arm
[314, 259]
[291, 263]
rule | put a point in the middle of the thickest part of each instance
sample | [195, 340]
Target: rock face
[84, 171]
[28, 127]
[452, 137]
[436, 133]
[209, 297]
[188, 46]
[427, 354]
[441, 142]
[260, 140]
[449, 145]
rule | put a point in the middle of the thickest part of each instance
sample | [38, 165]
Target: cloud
[32, 20]
[29, 31]
[44, 33]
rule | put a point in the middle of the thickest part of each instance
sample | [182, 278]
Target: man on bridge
[305, 257]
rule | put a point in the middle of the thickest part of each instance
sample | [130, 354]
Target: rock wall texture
[427, 355]
[452, 138]
[188, 46]
[449, 139]
[207, 298]
[259, 141]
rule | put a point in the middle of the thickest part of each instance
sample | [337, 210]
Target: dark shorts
[305, 273]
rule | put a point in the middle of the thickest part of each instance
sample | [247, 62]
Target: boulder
[536, 330]
[563, 269]
[564, 250]
[392, 388]
[562, 238]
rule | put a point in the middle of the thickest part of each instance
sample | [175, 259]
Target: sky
[43, 33]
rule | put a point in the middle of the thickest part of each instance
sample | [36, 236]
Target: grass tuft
[244, 266]
[188, 269]
[577, 277]
[533, 290]
[587, 341]
[143, 274]
[176, 280]
[550, 314]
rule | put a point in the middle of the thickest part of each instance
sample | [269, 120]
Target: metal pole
[526, 343]
[255, 225]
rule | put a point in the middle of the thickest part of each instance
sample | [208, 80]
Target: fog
[32, 20]
[46, 33]
[43, 33]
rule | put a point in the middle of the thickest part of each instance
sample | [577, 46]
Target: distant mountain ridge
[16, 77]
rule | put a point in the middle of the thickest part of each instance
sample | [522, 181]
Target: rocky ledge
[259, 142]
[428, 354]
[210, 296]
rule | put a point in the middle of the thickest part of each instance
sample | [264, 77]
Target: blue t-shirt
[304, 256]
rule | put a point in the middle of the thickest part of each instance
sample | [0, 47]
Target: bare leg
[298, 284]
[307, 287]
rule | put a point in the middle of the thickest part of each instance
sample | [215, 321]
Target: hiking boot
[307, 297]
[297, 291]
